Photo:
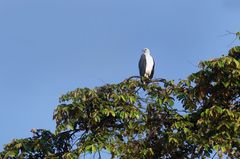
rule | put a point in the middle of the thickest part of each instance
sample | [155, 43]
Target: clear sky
[49, 47]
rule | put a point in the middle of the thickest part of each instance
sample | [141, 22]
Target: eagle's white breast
[149, 64]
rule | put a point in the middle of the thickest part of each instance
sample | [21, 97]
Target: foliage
[193, 118]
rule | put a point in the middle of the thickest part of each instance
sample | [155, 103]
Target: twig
[159, 80]
[214, 155]
[99, 154]
[126, 80]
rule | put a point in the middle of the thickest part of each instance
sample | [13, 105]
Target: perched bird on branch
[146, 65]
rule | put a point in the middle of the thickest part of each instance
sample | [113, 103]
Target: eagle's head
[146, 51]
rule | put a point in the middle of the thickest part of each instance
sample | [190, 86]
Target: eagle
[146, 64]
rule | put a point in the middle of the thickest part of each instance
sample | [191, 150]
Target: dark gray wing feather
[142, 65]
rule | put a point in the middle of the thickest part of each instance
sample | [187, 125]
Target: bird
[146, 64]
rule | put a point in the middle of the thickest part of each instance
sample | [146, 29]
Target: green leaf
[70, 126]
[70, 156]
[226, 84]
[173, 140]
[186, 130]
[112, 113]
[170, 102]
[123, 98]
[94, 148]
[132, 99]
[223, 149]
[160, 101]
[220, 64]
[12, 153]
[216, 147]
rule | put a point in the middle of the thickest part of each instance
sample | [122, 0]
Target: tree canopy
[191, 118]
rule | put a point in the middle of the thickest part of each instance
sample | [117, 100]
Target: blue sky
[49, 47]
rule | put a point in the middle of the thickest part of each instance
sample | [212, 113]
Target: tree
[192, 118]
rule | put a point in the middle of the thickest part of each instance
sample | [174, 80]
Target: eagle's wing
[142, 65]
